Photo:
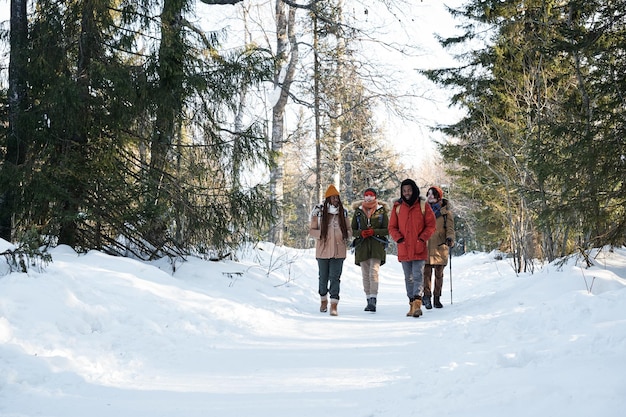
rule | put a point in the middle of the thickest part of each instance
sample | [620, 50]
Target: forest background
[133, 128]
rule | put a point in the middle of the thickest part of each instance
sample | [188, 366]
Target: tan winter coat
[437, 248]
[334, 246]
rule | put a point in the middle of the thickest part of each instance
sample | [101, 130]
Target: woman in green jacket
[369, 226]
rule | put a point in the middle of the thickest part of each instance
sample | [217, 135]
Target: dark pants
[438, 279]
[330, 272]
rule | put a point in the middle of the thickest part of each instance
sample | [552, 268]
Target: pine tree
[532, 111]
[99, 173]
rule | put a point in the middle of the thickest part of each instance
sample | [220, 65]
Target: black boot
[371, 304]
[437, 302]
[426, 302]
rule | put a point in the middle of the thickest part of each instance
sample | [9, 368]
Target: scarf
[332, 209]
[436, 208]
[369, 207]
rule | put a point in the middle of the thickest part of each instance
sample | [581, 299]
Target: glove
[367, 233]
[449, 242]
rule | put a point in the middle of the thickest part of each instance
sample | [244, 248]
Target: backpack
[422, 206]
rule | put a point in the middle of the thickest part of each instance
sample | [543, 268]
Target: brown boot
[333, 307]
[411, 309]
[324, 304]
[417, 308]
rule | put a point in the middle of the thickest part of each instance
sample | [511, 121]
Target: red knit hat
[370, 191]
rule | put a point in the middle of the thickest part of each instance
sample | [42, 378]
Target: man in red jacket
[411, 224]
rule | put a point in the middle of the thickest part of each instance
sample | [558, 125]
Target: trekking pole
[450, 262]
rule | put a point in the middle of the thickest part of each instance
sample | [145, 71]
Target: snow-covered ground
[95, 335]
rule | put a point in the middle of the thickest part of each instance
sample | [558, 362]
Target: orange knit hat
[330, 191]
[439, 191]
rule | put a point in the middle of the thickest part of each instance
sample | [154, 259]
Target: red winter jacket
[408, 223]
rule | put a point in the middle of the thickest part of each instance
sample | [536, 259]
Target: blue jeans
[330, 271]
[414, 278]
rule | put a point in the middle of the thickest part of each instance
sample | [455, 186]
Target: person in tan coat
[438, 246]
[329, 226]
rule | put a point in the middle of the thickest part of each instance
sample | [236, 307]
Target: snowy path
[100, 336]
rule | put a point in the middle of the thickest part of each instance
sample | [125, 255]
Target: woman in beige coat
[329, 226]
[438, 246]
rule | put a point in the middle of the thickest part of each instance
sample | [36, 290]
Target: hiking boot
[371, 304]
[427, 304]
[438, 302]
[411, 309]
[417, 308]
[324, 304]
[333, 308]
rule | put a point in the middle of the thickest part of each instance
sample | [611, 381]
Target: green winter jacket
[374, 246]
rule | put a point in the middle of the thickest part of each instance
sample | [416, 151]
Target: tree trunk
[76, 146]
[15, 143]
[316, 111]
[169, 107]
[286, 47]
[337, 105]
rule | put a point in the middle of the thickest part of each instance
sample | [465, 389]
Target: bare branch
[221, 2]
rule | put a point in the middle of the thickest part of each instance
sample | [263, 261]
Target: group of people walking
[422, 227]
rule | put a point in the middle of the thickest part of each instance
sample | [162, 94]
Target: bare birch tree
[286, 61]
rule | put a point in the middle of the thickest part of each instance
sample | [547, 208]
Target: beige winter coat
[334, 246]
[437, 248]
